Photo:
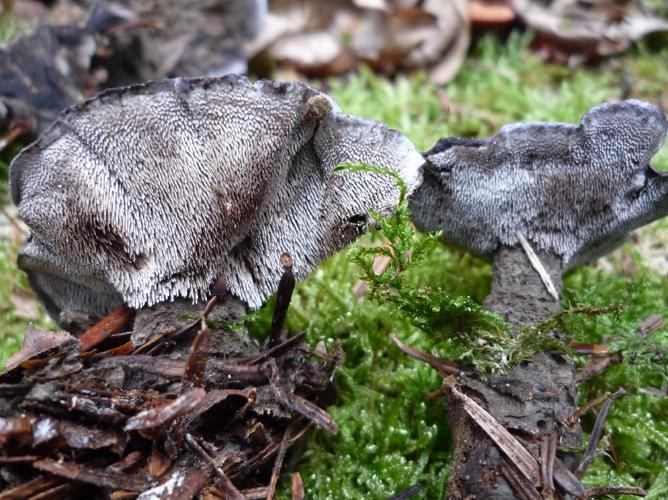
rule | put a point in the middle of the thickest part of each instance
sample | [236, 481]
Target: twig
[525, 490]
[440, 365]
[407, 493]
[153, 344]
[588, 349]
[548, 452]
[616, 490]
[258, 493]
[228, 487]
[538, 266]
[313, 413]
[193, 375]
[596, 434]
[285, 288]
[595, 366]
[160, 415]
[142, 22]
[270, 449]
[298, 404]
[277, 349]
[30, 488]
[278, 463]
[15, 131]
[577, 414]
[209, 305]
[67, 490]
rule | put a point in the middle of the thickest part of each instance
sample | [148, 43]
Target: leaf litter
[207, 412]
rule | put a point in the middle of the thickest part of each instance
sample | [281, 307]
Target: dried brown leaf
[36, 342]
[14, 427]
[491, 13]
[25, 304]
[602, 28]
[308, 50]
[91, 438]
[158, 463]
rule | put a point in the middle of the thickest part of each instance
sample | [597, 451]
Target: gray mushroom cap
[148, 193]
[573, 190]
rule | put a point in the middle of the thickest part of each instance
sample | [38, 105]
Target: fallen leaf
[491, 13]
[601, 28]
[308, 50]
[297, 486]
[35, 342]
[435, 35]
[336, 36]
[25, 304]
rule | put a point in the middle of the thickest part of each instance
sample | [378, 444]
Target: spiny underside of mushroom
[573, 190]
[151, 192]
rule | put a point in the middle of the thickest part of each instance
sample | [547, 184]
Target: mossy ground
[393, 430]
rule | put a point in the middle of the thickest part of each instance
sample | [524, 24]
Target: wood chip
[156, 417]
[114, 322]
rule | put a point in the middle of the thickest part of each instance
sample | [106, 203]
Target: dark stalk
[285, 288]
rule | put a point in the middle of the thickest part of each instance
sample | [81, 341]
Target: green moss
[10, 27]
[637, 425]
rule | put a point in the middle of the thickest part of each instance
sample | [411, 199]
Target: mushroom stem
[518, 292]
[573, 193]
[530, 400]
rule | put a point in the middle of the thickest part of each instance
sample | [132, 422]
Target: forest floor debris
[207, 411]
